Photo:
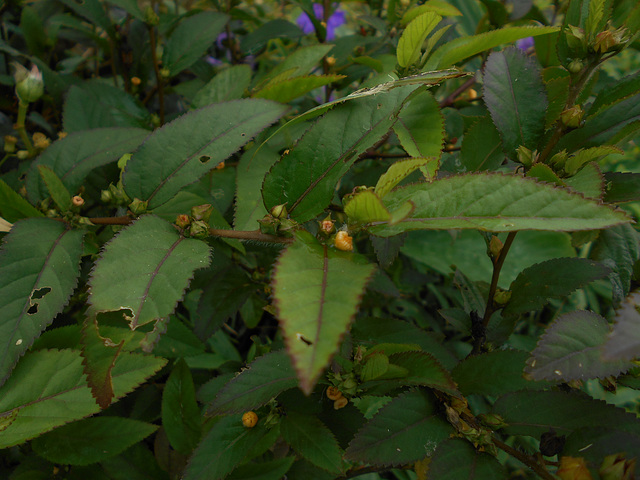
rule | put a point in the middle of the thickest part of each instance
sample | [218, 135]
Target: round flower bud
[340, 403]
[344, 241]
[333, 393]
[30, 88]
[77, 201]
[135, 81]
[249, 419]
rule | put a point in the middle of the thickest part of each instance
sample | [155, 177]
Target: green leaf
[76, 155]
[312, 440]
[557, 93]
[91, 440]
[191, 39]
[515, 97]
[39, 267]
[554, 278]
[182, 151]
[596, 20]
[543, 172]
[497, 203]
[142, 279]
[468, 46]
[57, 190]
[456, 459]
[253, 387]
[178, 341]
[623, 89]
[222, 449]
[622, 187]
[270, 470]
[405, 430]
[305, 179]
[481, 147]
[317, 290]
[410, 43]
[534, 413]
[624, 341]
[423, 369]
[302, 61]
[570, 349]
[593, 444]
[576, 161]
[377, 364]
[493, 373]
[13, 206]
[229, 84]
[291, 88]
[180, 412]
[401, 169]
[365, 207]
[440, 7]
[589, 181]
[420, 126]
[98, 105]
[48, 389]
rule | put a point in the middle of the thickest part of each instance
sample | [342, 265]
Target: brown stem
[249, 235]
[156, 69]
[497, 266]
[123, 220]
[528, 460]
[457, 92]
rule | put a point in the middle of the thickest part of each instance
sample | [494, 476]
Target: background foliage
[265, 240]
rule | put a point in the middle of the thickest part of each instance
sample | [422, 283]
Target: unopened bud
[492, 420]
[10, 143]
[572, 117]
[165, 73]
[331, 61]
[22, 154]
[29, 88]
[199, 229]
[604, 41]
[344, 241]
[279, 211]
[137, 206]
[77, 201]
[202, 212]
[327, 226]
[502, 297]
[183, 221]
[150, 17]
[495, 246]
[135, 81]
[525, 156]
[40, 141]
[106, 196]
[576, 65]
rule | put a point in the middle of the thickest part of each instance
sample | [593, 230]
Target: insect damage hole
[304, 340]
[204, 159]
[36, 295]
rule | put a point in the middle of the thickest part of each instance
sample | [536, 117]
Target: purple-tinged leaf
[624, 341]
[570, 349]
[515, 97]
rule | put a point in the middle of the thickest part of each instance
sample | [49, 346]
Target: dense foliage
[265, 240]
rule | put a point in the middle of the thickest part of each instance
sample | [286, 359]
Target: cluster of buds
[339, 401]
[277, 221]
[610, 40]
[40, 141]
[115, 195]
[196, 224]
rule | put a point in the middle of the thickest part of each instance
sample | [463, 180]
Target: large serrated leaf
[222, 449]
[570, 349]
[465, 47]
[144, 271]
[291, 88]
[493, 373]
[264, 379]
[56, 188]
[622, 187]
[420, 126]
[534, 413]
[182, 151]
[406, 430]
[191, 39]
[317, 290]
[624, 341]
[312, 440]
[73, 157]
[48, 389]
[13, 206]
[366, 207]
[305, 179]
[180, 412]
[554, 278]
[456, 459]
[423, 369]
[481, 147]
[91, 440]
[269, 470]
[495, 202]
[229, 84]
[399, 170]
[411, 40]
[623, 89]
[515, 97]
[39, 267]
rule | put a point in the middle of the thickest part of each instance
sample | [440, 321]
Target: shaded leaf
[589, 181]
[497, 203]
[576, 161]
[624, 341]
[185, 149]
[423, 369]
[180, 412]
[403, 431]
[145, 279]
[456, 459]
[191, 39]
[39, 267]
[622, 187]
[399, 170]
[411, 40]
[593, 444]
[75, 156]
[229, 84]
[515, 97]
[270, 470]
[57, 190]
[91, 440]
[14, 206]
[48, 389]
[570, 349]
[624, 88]
[312, 440]
[286, 90]
[481, 147]
[551, 279]
[317, 290]
[263, 379]
[302, 61]
[420, 126]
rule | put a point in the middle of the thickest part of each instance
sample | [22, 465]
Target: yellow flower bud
[344, 241]
[340, 403]
[333, 393]
[249, 419]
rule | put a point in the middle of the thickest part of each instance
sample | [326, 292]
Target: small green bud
[558, 160]
[279, 211]
[138, 207]
[202, 212]
[10, 143]
[572, 117]
[106, 196]
[22, 154]
[525, 156]
[576, 65]
[492, 420]
[183, 221]
[165, 73]
[495, 246]
[575, 37]
[29, 88]
[502, 297]
[150, 17]
[199, 229]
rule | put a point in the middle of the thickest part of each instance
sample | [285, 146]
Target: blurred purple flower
[525, 43]
[336, 19]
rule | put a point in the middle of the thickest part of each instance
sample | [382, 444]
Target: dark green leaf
[289, 89]
[57, 190]
[251, 171]
[495, 202]
[182, 151]
[589, 181]
[13, 206]
[178, 341]
[39, 267]
[622, 187]
[264, 379]
[593, 444]
[180, 412]
[624, 341]
[191, 39]
[278, 28]
[625, 88]
[481, 147]
[456, 459]
[229, 84]
[514, 94]
[73, 157]
[312, 440]
[571, 349]
[405, 430]
[317, 290]
[270, 470]
[91, 440]
[423, 369]
[420, 127]
[551, 279]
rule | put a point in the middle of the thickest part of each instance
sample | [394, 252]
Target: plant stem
[528, 460]
[156, 69]
[497, 266]
[20, 127]
[457, 92]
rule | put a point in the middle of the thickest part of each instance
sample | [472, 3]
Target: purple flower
[525, 43]
[335, 20]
